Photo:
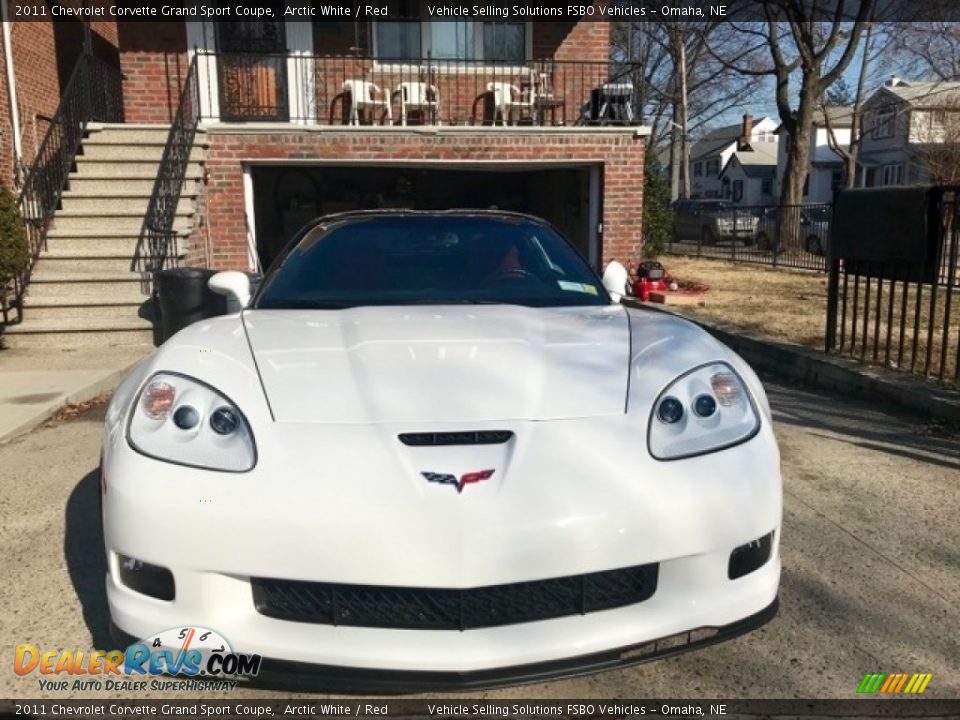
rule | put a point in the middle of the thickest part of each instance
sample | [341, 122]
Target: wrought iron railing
[92, 93]
[793, 236]
[896, 308]
[157, 244]
[363, 90]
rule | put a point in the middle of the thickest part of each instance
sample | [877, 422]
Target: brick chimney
[746, 132]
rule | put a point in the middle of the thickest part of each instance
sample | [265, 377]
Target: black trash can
[184, 298]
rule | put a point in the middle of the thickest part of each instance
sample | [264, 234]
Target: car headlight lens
[181, 420]
[721, 414]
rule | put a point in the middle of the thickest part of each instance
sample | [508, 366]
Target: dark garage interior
[287, 197]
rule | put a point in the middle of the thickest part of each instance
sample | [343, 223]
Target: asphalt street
[870, 544]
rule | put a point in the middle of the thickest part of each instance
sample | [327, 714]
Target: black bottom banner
[452, 708]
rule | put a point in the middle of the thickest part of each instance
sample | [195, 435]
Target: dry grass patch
[785, 304]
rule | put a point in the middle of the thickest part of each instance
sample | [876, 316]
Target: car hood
[441, 364]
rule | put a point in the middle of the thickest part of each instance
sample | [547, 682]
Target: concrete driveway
[871, 554]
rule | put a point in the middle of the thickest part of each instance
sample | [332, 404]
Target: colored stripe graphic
[894, 683]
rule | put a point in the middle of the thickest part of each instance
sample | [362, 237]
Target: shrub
[14, 251]
[657, 215]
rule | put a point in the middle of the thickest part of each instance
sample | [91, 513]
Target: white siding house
[903, 121]
[825, 173]
[710, 155]
[748, 177]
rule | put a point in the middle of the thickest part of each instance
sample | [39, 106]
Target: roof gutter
[12, 93]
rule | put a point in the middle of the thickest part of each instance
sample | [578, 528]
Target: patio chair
[509, 102]
[366, 96]
[420, 97]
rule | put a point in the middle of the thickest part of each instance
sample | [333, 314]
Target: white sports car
[434, 450]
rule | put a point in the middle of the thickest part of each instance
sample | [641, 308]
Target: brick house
[275, 122]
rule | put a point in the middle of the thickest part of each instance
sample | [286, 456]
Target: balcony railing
[354, 91]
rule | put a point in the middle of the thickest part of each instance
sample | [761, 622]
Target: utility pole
[684, 145]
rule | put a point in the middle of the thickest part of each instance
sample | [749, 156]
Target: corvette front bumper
[551, 514]
[335, 678]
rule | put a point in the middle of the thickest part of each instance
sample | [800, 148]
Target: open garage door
[286, 197]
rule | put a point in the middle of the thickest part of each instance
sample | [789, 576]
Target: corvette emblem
[446, 479]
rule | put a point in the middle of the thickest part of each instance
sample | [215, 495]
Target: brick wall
[153, 59]
[44, 55]
[621, 156]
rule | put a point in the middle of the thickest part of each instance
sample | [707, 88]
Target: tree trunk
[798, 154]
[675, 153]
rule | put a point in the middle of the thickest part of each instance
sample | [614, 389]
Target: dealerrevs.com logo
[198, 657]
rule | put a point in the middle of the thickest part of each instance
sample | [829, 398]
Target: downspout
[12, 95]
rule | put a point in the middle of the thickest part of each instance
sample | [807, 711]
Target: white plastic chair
[419, 96]
[509, 102]
[366, 96]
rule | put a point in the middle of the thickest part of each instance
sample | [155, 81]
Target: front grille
[446, 609]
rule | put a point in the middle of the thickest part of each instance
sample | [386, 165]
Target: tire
[707, 237]
[763, 241]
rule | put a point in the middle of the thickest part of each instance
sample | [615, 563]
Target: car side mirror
[235, 286]
[615, 280]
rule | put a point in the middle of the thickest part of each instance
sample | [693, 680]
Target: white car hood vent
[450, 364]
[429, 439]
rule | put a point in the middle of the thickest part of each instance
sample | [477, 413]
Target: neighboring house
[749, 175]
[825, 172]
[296, 119]
[904, 121]
[710, 154]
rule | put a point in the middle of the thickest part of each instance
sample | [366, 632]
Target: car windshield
[431, 259]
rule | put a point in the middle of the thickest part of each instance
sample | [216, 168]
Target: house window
[766, 186]
[726, 188]
[698, 169]
[713, 167]
[893, 174]
[737, 190]
[417, 37]
[836, 181]
[806, 185]
[883, 123]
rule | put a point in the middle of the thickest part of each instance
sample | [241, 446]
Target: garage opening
[287, 197]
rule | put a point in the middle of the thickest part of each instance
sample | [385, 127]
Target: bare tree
[666, 55]
[801, 47]
[937, 132]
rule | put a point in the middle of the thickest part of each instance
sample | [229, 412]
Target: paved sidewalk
[34, 384]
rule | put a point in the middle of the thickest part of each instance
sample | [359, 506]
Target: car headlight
[184, 421]
[704, 410]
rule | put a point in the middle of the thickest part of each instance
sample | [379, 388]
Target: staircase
[82, 291]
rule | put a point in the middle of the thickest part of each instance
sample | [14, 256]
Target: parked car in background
[710, 221]
[812, 223]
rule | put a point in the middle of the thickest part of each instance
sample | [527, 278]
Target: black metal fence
[901, 312]
[794, 236]
[157, 245]
[92, 93]
[363, 90]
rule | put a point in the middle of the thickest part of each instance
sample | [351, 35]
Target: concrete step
[115, 204]
[73, 222]
[136, 132]
[114, 186]
[93, 287]
[144, 152]
[120, 167]
[82, 310]
[67, 263]
[69, 333]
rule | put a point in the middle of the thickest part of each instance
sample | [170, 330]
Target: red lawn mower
[651, 277]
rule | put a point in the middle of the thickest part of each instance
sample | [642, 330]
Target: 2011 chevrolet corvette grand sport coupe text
[434, 450]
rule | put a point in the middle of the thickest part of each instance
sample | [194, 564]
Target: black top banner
[489, 10]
